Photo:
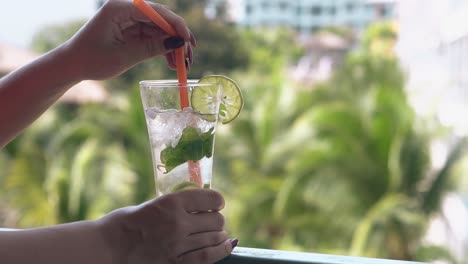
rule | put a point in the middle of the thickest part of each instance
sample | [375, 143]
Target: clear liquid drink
[182, 140]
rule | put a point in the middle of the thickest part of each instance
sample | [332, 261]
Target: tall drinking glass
[182, 140]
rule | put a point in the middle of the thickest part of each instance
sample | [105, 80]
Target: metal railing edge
[243, 255]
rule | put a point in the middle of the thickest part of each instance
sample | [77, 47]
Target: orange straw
[179, 52]
[194, 167]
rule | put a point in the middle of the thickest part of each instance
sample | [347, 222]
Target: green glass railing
[267, 256]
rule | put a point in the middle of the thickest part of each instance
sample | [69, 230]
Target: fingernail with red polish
[234, 242]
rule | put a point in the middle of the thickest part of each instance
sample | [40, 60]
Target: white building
[305, 15]
[433, 49]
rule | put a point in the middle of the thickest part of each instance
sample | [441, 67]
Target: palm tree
[341, 168]
[79, 163]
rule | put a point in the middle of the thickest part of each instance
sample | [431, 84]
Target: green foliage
[220, 47]
[334, 168]
[183, 6]
[380, 39]
[433, 253]
[191, 147]
[432, 197]
[344, 157]
[53, 36]
[220, 50]
[76, 166]
[378, 32]
[4, 163]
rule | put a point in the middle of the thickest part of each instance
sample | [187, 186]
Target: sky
[435, 65]
[20, 20]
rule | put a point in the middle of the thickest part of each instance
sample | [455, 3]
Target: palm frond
[432, 197]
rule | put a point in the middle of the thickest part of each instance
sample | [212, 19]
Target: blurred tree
[339, 167]
[220, 48]
[52, 36]
[73, 169]
[182, 6]
[380, 39]
[68, 167]
[335, 169]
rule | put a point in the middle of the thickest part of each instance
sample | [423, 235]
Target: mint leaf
[192, 146]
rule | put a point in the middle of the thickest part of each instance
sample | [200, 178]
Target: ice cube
[151, 113]
[178, 175]
[167, 127]
[188, 109]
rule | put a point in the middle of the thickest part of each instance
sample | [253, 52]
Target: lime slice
[231, 97]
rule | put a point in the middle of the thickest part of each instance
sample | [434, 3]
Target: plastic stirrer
[194, 167]
[179, 52]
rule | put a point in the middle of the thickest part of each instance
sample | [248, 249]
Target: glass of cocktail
[182, 138]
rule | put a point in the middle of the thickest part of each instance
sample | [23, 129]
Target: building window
[283, 23]
[248, 9]
[385, 11]
[316, 10]
[266, 5]
[100, 3]
[298, 11]
[350, 7]
[283, 6]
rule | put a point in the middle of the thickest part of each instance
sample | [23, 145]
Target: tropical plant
[340, 168]
[52, 36]
[80, 163]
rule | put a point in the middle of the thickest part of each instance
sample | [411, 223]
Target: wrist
[110, 240]
[118, 236]
[102, 243]
[71, 62]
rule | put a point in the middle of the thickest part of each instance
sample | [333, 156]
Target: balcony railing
[267, 256]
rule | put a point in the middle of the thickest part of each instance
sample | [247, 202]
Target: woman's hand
[120, 36]
[182, 227]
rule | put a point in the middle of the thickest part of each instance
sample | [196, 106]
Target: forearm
[79, 242]
[27, 92]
